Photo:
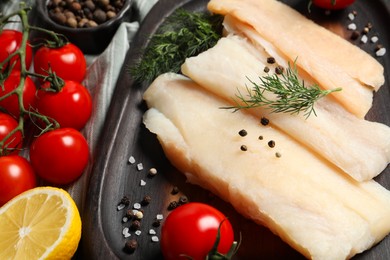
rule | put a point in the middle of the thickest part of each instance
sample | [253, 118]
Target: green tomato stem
[56, 83]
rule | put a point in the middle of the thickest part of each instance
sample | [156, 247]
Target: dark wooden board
[124, 135]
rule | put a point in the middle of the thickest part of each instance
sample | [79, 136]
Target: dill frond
[282, 93]
[182, 35]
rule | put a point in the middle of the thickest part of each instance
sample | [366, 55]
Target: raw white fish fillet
[310, 204]
[332, 61]
[359, 147]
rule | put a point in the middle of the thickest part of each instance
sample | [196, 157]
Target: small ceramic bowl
[92, 40]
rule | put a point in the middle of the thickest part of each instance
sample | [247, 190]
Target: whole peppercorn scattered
[279, 70]
[243, 132]
[261, 137]
[183, 200]
[244, 148]
[83, 13]
[278, 155]
[146, 200]
[172, 205]
[135, 225]
[271, 143]
[130, 214]
[355, 35]
[131, 246]
[271, 60]
[266, 69]
[125, 201]
[156, 223]
[264, 121]
[175, 190]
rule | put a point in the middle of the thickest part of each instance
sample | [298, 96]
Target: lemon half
[41, 223]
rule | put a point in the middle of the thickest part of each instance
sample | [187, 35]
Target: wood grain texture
[124, 135]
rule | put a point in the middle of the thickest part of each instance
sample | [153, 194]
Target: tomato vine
[19, 56]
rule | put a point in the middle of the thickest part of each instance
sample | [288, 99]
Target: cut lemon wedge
[41, 223]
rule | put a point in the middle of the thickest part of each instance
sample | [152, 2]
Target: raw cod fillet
[359, 147]
[310, 204]
[332, 61]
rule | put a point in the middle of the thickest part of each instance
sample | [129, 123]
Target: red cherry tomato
[59, 156]
[71, 107]
[191, 231]
[333, 4]
[10, 41]
[16, 176]
[7, 124]
[11, 103]
[68, 62]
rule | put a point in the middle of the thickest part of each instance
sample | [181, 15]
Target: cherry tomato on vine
[7, 124]
[59, 156]
[70, 107]
[11, 103]
[190, 231]
[16, 176]
[10, 41]
[333, 4]
[68, 62]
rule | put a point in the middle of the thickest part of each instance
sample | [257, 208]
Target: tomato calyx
[215, 255]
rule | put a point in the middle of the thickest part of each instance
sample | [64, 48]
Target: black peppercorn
[243, 132]
[271, 60]
[76, 11]
[146, 200]
[183, 200]
[125, 201]
[264, 121]
[131, 246]
[135, 225]
[355, 35]
[271, 143]
[175, 190]
[173, 205]
[156, 223]
[243, 148]
[279, 70]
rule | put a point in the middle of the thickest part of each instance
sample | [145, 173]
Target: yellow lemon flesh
[41, 223]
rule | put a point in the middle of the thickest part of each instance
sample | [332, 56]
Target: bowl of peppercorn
[89, 24]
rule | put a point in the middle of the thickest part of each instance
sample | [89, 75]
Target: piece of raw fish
[310, 204]
[331, 60]
[359, 147]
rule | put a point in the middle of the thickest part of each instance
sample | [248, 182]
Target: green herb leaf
[282, 93]
[183, 34]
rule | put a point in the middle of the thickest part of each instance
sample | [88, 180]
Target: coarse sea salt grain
[159, 217]
[352, 26]
[121, 206]
[155, 239]
[131, 160]
[374, 39]
[140, 166]
[380, 52]
[125, 232]
[364, 39]
[138, 232]
[351, 16]
[137, 205]
[152, 232]
[142, 183]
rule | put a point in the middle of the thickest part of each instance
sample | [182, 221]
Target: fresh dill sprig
[182, 35]
[282, 93]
